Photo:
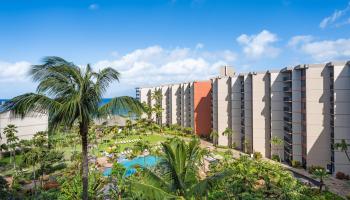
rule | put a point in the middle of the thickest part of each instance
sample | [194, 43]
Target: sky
[152, 42]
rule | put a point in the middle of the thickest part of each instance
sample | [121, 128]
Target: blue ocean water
[122, 112]
[147, 161]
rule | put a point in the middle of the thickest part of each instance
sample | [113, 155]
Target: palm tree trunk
[14, 159]
[34, 180]
[321, 185]
[85, 164]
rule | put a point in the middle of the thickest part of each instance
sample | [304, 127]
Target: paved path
[339, 187]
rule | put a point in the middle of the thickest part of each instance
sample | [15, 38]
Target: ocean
[121, 112]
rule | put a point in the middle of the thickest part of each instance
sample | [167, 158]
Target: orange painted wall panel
[202, 107]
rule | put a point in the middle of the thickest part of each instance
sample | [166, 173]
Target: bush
[257, 155]
[296, 164]
[342, 176]
[275, 158]
[313, 168]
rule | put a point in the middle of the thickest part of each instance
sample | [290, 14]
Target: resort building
[26, 127]
[306, 106]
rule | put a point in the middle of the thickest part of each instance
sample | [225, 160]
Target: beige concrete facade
[307, 106]
[221, 107]
[26, 127]
[261, 113]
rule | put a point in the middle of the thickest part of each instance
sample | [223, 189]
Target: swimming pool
[147, 161]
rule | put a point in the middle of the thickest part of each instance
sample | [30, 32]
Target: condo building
[306, 106]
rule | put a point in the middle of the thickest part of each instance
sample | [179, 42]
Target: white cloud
[256, 46]
[322, 50]
[327, 50]
[337, 14]
[299, 39]
[94, 6]
[157, 65]
[14, 71]
[199, 46]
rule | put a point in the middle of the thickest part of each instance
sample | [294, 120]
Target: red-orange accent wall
[202, 107]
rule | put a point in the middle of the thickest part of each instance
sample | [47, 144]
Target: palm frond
[31, 104]
[150, 192]
[153, 179]
[118, 104]
[203, 186]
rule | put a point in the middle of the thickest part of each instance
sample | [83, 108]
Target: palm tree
[128, 126]
[229, 133]
[277, 143]
[214, 135]
[31, 158]
[157, 97]
[179, 178]
[148, 110]
[320, 174]
[344, 147]
[70, 94]
[10, 133]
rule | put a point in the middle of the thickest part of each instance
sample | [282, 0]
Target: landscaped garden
[141, 159]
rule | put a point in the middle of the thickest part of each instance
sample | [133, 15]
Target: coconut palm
[70, 94]
[277, 143]
[214, 135]
[128, 126]
[179, 178]
[12, 141]
[344, 147]
[321, 174]
[229, 133]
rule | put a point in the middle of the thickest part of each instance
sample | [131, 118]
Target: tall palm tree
[179, 178]
[229, 133]
[277, 143]
[157, 97]
[344, 147]
[214, 135]
[70, 94]
[12, 141]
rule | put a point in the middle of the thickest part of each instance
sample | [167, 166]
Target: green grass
[151, 139]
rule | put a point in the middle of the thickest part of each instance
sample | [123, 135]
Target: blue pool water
[148, 161]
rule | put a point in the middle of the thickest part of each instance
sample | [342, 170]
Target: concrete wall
[317, 124]
[26, 127]
[261, 113]
[236, 99]
[222, 107]
[248, 112]
[341, 114]
[202, 110]
[277, 112]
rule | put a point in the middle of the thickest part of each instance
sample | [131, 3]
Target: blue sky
[164, 41]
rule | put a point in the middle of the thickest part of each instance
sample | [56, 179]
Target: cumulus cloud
[328, 50]
[155, 65]
[322, 50]
[256, 46]
[16, 71]
[299, 39]
[336, 15]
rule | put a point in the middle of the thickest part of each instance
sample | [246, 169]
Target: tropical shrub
[312, 168]
[257, 155]
[296, 164]
[275, 158]
[341, 176]
[72, 187]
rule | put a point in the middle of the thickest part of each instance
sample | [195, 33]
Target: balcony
[287, 79]
[287, 89]
[287, 99]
